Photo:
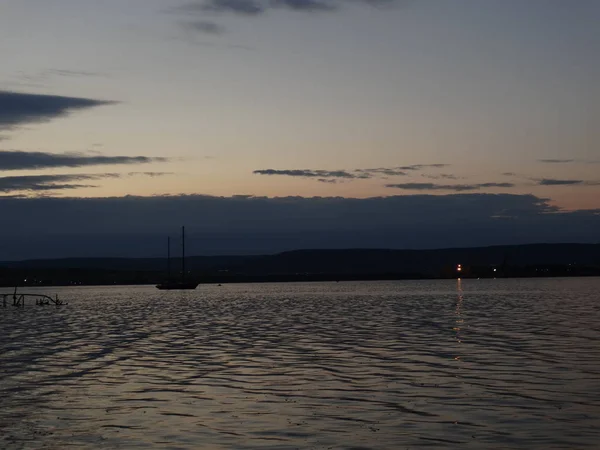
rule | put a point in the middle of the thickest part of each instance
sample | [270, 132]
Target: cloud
[203, 26]
[19, 160]
[254, 8]
[305, 5]
[568, 161]
[18, 108]
[558, 182]
[555, 182]
[556, 161]
[241, 7]
[441, 176]
[352, 174]
[36, 183]
[44, 75]
[422, 166]
[258, 7]
[72, 73]
[136, 226]
[45, 182]
[448, 187]
[150, 174]
[391, 172]
[307, 173]
[43, 78]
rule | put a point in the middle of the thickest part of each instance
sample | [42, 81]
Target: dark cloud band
[555, 182]
[19, 160]
[352, 174]
[36, 183]
[135, 226]
[448, 187]
[307, 173]
[561, 182]
[17, 108]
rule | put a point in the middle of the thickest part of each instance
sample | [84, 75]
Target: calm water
[389, 365]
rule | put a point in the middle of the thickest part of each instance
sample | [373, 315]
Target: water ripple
[439, 364]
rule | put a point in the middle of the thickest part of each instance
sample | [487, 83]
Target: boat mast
[182, 254]
[169, 258]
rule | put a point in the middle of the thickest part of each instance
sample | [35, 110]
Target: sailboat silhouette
[172, 285]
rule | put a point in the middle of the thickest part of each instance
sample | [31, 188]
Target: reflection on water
[443, 364]
[459, 322]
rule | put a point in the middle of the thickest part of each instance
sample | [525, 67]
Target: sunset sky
[301, 98]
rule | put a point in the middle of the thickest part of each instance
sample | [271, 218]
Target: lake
[382, 365]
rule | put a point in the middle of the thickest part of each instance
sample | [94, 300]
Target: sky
[232, 109]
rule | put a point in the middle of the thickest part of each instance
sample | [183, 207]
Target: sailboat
[172, 285]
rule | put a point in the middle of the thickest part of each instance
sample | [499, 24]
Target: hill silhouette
[319, 264]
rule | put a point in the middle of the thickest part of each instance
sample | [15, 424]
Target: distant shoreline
[513, 261]
[302, 279]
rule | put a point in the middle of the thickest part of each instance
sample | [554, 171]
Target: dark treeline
[539, 260]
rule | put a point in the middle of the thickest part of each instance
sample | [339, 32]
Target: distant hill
[516, 260]
[428, 262]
